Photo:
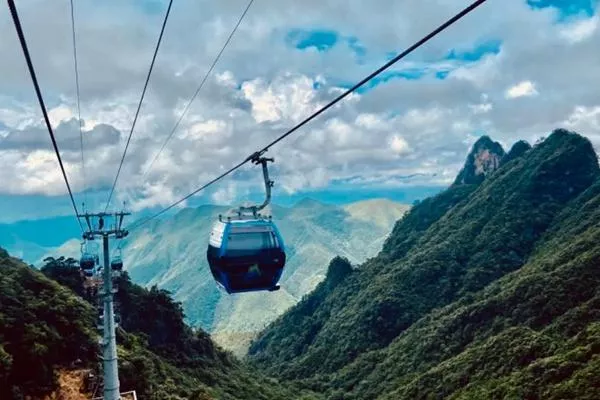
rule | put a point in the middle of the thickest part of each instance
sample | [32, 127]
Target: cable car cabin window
[249, 243]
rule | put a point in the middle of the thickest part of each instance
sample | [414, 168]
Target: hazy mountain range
[489, 290]
[171, 253]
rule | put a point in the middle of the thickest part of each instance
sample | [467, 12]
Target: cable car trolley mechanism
[246, 251]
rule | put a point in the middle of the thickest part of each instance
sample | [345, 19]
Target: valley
[489, 289]
[171, 253]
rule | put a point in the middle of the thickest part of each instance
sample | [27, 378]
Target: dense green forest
[489, 290]
[46, 326]
[43, 326]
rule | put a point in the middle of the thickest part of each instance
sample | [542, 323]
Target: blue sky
[321, 40]
[403, 136]
[566, 9]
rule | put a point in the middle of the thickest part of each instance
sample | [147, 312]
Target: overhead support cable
[78, 102]
[38, 92]
[358, 85]
[162, 30]
[218, 178]
[186, 108]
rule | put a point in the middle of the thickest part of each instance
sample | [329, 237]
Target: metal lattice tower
[110, 360]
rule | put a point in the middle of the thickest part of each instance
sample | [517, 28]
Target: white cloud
[521, 89]
[237, 193]
[262, 86]
[289, 97]
[370, 121]
[153, 195]
[295, 181]
[35, 172]
[399, 145]
[225, 195]
[580, 30]
[481, 108]
[226, 78]
[462, 126]
[481, 73]
[19, 116]
[60, 114]
[212, 131]
[585, 119]
[423, 118]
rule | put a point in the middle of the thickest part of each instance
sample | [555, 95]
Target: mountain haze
[488, 290]
[377, 211]
[171, 254]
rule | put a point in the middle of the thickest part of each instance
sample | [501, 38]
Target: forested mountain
[43, 327]
[48, 330]
[489, 290]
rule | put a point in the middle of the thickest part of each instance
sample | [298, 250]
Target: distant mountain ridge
[378, 211]
[172, 254]
[490, 289]
[31, 240]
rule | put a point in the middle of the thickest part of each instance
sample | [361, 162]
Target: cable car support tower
[109, 344]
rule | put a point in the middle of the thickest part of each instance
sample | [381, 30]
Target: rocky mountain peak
[516, 151]
[484, 158]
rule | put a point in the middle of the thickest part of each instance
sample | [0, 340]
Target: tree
[66, 272]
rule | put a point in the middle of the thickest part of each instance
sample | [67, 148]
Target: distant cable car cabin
[246, 252]
[116, 264]
[87, 262]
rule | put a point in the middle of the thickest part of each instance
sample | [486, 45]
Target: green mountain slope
[534, 333]
[293, 334]
[46, 327]
[491, 297]
[43, 327]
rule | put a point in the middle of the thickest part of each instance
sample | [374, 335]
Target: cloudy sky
[513, 69]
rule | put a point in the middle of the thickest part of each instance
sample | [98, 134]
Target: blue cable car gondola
[116, 264]
[87, 262]
[247, 253]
